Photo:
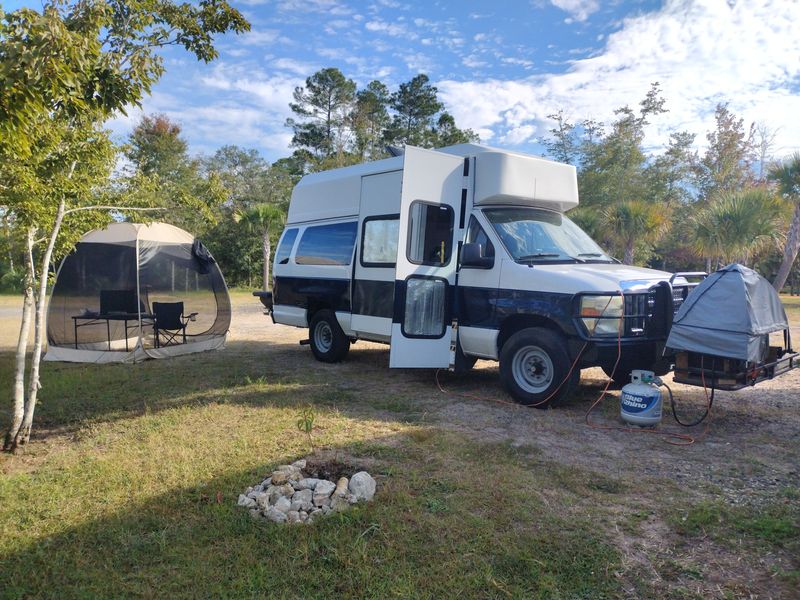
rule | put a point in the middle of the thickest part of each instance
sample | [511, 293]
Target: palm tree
[787, 176]
[634, 221]
[261, 218]
[736, 224]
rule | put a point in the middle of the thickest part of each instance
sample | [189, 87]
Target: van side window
[476, 235]
[285, 247]
[430, 234]
[379, 241]
[327, 244]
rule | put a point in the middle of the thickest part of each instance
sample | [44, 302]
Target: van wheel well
[315, 305]
[519, 322]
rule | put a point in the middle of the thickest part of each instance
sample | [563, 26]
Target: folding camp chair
[169, 322]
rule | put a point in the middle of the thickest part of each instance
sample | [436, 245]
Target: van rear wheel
[533, 367]
[328, 341]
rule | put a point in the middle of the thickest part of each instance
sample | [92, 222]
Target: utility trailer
[465, 253]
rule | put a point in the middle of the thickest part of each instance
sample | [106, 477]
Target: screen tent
[107, 291]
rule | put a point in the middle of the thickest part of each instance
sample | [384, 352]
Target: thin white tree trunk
[18, 409]
[789, 250]
[24, 434]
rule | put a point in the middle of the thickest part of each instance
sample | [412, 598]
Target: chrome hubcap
[323, 336]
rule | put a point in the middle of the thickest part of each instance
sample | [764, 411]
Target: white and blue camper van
[465, 253]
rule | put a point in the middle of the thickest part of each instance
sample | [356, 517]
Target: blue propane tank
[641, 400]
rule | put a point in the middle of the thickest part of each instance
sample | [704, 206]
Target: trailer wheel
[328, 341]
[533, 366]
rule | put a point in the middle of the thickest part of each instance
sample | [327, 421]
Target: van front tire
[533, 367]
[328, 342]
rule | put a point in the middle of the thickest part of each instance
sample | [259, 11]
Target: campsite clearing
[130, 484]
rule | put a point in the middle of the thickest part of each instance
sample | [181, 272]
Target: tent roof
[118, 233]
[727, 314]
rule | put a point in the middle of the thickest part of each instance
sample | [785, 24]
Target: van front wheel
[533, 367]
[328, 341]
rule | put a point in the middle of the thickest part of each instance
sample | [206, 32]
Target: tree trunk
[266, 248]
[628, 258]
[24, 434]
[789, 250]
[18, 411]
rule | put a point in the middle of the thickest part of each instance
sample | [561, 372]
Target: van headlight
[602, 315]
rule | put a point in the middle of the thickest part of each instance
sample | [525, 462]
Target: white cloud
[298, 67]
[392, 29]
[259, 37]
[702, 52]
[579, 9]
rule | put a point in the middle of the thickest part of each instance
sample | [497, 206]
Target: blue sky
[501, 67]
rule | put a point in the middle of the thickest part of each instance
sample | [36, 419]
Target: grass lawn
[129, 487]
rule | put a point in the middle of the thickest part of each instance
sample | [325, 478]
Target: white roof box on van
[501, 177]
[504, 177]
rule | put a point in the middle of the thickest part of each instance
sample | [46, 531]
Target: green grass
[776, 525]
[130, 487]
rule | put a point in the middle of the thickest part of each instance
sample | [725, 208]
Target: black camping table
[92, 318]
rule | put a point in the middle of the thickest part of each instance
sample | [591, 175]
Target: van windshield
[534, 234]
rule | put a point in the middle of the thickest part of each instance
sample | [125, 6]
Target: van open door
[427, 249]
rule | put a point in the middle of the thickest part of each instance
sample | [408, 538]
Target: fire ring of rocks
[301, 493]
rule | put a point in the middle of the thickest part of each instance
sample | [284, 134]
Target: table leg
[75, 322]
[108, 333]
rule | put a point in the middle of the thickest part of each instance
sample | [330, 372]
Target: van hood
[593, 277]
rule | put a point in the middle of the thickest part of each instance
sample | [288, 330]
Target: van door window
[476, 235]
[379, 241]
[327, 244]
[425, 305]
[285, 247]
[430, 234]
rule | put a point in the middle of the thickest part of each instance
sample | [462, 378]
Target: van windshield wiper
[538, 255]
[528, 257]
[590, 254]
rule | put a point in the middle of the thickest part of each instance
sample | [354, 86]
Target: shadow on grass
[253, 373]
[430, 532]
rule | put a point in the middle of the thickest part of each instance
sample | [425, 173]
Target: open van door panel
[427, 255]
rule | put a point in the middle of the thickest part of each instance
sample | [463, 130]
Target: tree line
[682, 209]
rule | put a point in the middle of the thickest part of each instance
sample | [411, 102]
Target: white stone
[293, 516]
[283, 504]
[341, 487]
[300, 464]
[262, 499]
[322, 492]
[273, 514]
[246, 502]
[303, 500]
[362, 486]
[280, 477]
[266, 483]
[307, 483]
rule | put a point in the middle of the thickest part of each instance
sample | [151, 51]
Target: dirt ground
[747, 448]
[746, 455]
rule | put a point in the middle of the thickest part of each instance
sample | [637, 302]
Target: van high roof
[501, 177]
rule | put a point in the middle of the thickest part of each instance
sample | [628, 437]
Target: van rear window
[327, 244]
[285, 247]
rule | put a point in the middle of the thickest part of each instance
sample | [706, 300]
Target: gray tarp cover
[728, 314]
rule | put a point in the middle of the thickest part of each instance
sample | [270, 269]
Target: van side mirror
[472, 255]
